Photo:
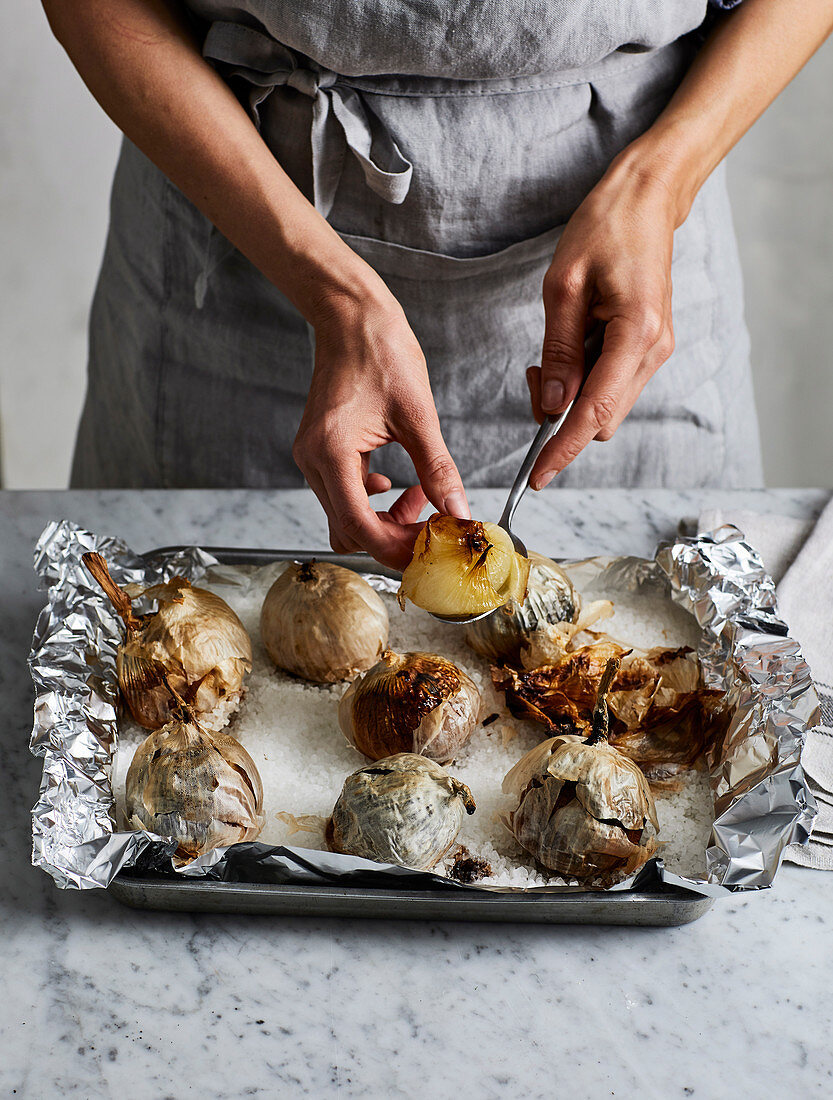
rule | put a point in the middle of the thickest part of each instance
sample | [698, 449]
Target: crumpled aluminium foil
[761, 801]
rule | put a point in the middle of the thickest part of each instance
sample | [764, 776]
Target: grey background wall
[57, 152]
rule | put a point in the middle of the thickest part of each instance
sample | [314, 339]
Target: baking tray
[571, 906]
[666, 906]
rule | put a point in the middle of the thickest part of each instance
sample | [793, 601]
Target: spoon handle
[521, 483]
[592, 351]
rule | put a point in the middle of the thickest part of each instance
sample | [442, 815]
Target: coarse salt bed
[290, 729]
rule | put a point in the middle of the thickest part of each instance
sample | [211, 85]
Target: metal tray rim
[674, 906]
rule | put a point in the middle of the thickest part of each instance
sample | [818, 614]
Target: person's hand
[370, 387]
[612, 265]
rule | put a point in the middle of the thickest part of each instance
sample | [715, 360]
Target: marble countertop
[100, 1000]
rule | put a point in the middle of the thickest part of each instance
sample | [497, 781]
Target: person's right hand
[370, 387]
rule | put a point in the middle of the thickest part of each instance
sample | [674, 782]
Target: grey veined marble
[182, 1005]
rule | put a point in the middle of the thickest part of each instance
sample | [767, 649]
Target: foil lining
[762, 803]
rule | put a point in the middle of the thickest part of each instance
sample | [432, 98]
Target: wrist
[664, 160]
[349, 296]
[332, 283]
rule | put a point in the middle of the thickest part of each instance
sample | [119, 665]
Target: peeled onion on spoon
[462, 569]
[430, 578]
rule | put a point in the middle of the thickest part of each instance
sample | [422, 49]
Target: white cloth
[799, 556]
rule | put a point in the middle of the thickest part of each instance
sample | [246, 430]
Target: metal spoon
[551, 424]
[520, 485]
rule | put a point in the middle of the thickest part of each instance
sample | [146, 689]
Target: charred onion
[410, 702]
[585, 809]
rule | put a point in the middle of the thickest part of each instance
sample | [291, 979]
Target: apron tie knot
[309, 81]
[340, 116]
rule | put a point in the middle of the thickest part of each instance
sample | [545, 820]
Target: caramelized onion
[410, 702]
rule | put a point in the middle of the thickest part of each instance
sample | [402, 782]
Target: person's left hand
[612, 265]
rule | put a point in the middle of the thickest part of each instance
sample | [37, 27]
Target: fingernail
[457, 505]
[544, 480]
[552, 395]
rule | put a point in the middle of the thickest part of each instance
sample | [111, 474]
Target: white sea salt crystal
[290, 729]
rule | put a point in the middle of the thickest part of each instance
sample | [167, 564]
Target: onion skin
[199, 641]
[201, 789]
[463, 567]
[506, 634]
[660, 717]
[194, 636]
[413, 703]
[323, 622]
[584, 807]
[566, 839]
[561, 695]
[533, 764]
[403, 809]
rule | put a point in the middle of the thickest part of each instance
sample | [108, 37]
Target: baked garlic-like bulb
[511, 629]
[323, 622]
[410, 702]
[198, 788]
[462, 567]
[193, 635]
[403, 809]
[584, 808]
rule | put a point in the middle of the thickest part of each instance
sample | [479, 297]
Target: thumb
[437, 473]
[562, 355]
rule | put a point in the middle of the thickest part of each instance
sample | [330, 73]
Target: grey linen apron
[454, 182]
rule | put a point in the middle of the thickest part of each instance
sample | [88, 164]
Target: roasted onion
[462, 567]
[323, 622]
[410, 702]
[584, 808]
[193, 635]
[510, 630]
[403, 809]
[661, 717]
[198, 788]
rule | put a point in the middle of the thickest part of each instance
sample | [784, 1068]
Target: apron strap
[266, 64]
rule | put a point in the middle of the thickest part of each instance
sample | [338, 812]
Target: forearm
[139, 60]
[613, 261]
[749, 58]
